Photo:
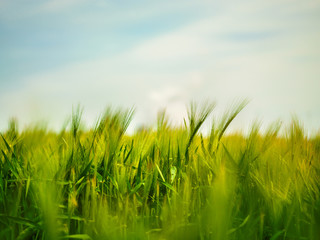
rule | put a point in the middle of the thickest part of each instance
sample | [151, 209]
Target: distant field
[163, 183]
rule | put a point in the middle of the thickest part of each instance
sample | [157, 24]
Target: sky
[152, 55]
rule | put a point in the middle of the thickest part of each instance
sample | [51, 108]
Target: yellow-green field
[166, 183]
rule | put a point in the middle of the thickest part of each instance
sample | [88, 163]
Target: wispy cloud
[267, 51]
[58, 5]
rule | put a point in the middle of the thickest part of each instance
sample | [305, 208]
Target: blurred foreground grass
[168, 183]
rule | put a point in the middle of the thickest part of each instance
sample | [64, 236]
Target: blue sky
[156, 54]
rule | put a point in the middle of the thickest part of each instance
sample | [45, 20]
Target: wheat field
[160, 183]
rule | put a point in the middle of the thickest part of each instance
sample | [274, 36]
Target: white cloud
[58, 5]
[201, 60]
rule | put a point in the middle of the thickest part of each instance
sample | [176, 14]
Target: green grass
[167, 183]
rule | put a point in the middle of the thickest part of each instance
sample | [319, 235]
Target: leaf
[240, 226]
[27, 186]
[229, 156]
[160, 173]
[22, 221]
[173, 173]
[6, 143]
[136, 188]
[11, 167]
[114, 182]
[77, 236]
[71, 217]
[79, 181]
[26, 233]
[275, 236]
[169, 186]
[130, 151]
